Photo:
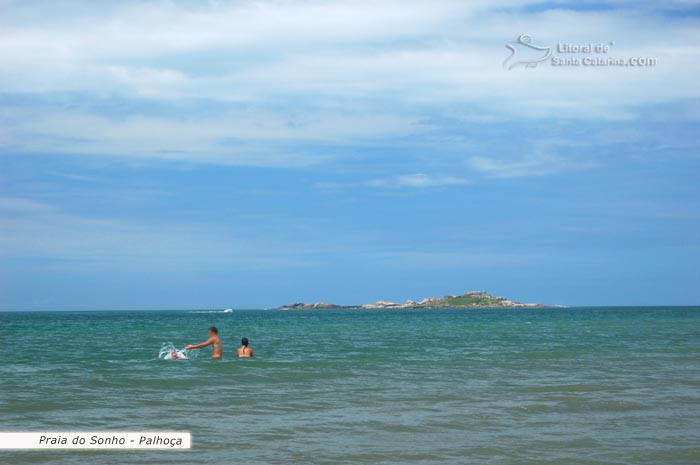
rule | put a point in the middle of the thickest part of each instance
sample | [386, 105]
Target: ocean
[483, 386]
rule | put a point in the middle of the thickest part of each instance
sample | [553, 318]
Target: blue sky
[251, 154]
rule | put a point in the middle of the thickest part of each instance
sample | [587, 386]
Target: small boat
[228, 310]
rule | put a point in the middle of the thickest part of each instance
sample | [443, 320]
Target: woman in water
[244, 351]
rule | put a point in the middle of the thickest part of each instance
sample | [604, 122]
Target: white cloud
[245, 138]
[316, 72]
[536, 165]
[417, 180]
[22, 206]
[410, 51]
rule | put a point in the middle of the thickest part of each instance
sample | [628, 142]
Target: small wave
[170, 352]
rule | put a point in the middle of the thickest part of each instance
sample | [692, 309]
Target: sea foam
[168, 350]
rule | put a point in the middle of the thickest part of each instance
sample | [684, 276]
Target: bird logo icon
[528, 54]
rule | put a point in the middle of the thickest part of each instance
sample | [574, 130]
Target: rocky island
[472, 299]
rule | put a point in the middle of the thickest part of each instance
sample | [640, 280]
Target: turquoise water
[536, 386]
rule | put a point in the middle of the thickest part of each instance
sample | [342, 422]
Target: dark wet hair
[214, 330]
[244, 341]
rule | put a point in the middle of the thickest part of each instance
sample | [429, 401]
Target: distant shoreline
[471, 299]
[694, 307]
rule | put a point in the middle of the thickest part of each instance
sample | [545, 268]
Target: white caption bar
[95, 440]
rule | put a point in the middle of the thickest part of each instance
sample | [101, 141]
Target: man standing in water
[213, 341]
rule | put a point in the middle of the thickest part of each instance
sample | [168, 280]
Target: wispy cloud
[417, 180]
[407, 181]
[20, 205]
[254, 138]
[270, 72]
[526, 166]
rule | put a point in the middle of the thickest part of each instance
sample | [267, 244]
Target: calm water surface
[537, 386]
